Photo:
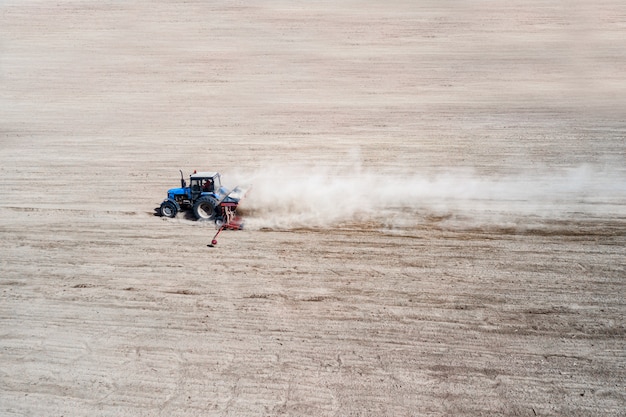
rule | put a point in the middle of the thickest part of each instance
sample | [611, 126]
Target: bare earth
[436, 224]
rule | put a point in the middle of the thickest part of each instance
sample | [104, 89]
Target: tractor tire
[204, 208]
[168, 209]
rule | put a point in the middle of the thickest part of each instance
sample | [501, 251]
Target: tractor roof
[204, 174]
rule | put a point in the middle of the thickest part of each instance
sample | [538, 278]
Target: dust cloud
[284, 197]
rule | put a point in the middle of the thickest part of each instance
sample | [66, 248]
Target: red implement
[235, 223]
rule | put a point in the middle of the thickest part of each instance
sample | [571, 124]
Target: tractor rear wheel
[168, 209]
[204, 208]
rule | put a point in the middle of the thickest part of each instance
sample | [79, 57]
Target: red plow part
[235, 223]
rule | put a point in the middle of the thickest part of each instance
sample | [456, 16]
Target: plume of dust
[286, 196]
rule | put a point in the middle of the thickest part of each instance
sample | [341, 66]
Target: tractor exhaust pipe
[183, 183]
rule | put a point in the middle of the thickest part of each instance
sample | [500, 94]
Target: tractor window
[196, 185]
[217, 183]
[207, 185]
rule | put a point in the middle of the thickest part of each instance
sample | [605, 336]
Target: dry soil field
[436, 224]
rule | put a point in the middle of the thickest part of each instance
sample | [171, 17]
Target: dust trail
[284, 196]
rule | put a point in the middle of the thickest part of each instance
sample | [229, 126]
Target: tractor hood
[175, 191]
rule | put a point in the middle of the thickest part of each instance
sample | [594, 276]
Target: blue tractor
[206, 196]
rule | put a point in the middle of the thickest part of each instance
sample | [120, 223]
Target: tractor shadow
[186, 215]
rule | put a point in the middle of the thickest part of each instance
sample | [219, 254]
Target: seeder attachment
[232, 223]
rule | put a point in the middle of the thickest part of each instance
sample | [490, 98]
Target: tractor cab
[204, 182]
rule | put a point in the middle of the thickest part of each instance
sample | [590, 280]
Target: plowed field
[436, 221]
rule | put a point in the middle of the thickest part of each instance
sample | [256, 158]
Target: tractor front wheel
[168, 209]
[204, 208]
